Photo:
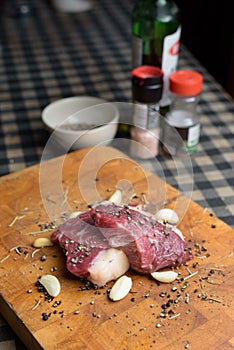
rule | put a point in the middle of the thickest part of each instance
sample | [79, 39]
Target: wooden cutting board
[201, 310]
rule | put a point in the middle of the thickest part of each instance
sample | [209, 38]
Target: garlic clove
[167, 215]
[178, 232]
[42, 242]
[121, 288]
[116, 197]
[75, 214]
[165, 276]
[51, 284]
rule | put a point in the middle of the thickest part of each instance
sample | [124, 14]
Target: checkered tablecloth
[47, 55]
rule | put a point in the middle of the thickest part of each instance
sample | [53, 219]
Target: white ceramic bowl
[72, 5]
[65, 117]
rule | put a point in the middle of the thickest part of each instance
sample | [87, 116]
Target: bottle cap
[147, 83]
[186, 82]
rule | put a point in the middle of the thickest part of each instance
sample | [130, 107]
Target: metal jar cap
[147, 84]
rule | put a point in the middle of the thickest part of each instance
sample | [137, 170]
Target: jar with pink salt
[147, 86]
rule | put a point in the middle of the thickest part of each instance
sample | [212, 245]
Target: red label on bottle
[174, 49]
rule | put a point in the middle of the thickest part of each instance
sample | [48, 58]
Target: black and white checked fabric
[47, 55]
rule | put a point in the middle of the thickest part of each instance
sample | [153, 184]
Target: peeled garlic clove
[116, 197]
[121, 288]
[168, 216]
[165, 276]
[42, 242]
[75, 214]
[178, 232]
[51, 284]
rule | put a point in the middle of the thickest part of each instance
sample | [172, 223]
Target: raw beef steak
[88, 253]
[148, 244]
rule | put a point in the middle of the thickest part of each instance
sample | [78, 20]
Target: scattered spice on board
[65, 193]
[38, 302]
[45, 316]
[170, 300]
[19, 250]
[16, 218]
[43, 228]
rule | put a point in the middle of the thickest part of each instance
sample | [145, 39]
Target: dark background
[208, 32]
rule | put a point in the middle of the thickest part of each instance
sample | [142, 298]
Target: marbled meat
[104, 242]
[149, 244]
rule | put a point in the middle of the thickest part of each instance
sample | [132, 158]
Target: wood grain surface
[199, 305]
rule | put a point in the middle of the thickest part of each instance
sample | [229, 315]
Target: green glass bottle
[155, 38]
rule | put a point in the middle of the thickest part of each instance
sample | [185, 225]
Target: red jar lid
[147, 72]
[186, 82]
[147, 84]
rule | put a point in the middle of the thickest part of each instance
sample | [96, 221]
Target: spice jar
[185, 88]
[147, 85]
